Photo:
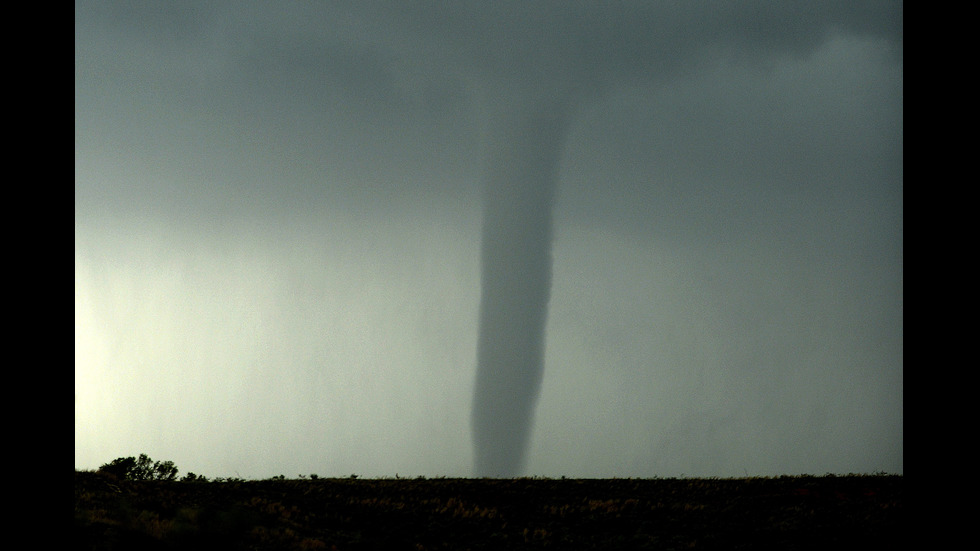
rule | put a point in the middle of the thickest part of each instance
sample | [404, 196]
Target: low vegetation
[141, 504]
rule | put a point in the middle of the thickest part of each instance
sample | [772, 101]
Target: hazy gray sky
[278, 224]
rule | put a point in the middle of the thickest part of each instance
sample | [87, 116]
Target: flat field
[785, 513]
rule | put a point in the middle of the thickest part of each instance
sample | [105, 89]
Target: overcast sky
[278, 225]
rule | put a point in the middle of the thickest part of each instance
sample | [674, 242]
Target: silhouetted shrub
[191, 477]
[120, 468]
[143, 468]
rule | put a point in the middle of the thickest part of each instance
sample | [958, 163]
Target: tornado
[516, 264]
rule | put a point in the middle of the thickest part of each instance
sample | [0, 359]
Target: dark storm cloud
[303, 65]
[240, 78]
[589, 47]
[258, 108]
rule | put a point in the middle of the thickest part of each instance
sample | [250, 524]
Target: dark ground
[785, 513]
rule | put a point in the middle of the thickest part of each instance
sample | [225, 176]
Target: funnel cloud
[516, 264]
